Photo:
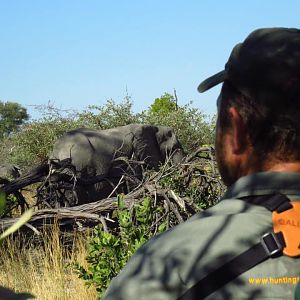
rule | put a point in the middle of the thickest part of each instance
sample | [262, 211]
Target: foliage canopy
[165, 104]
[12, 115]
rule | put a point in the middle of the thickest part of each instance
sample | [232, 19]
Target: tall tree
[12, 115]
[165, 104]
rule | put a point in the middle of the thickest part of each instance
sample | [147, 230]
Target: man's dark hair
[273, 125]
[262, 80]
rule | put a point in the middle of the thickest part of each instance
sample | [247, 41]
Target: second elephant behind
[94, 152]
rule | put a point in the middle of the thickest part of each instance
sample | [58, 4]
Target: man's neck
[284, 167]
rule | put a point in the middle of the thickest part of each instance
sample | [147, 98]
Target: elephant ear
[145, 145]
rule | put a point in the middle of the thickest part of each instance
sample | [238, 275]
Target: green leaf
[2, 202]
[21, 221]
[162, 227]
[121, 202]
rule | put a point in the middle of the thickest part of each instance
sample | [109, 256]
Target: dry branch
[196, 175]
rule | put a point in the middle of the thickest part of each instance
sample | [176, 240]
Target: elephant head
[169, 145]
[154, 144]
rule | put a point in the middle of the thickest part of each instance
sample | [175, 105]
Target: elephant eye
[169, 133]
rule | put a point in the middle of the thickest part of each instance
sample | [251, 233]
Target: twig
[177, 199]
[33, 229]
[116, 187]
[102, 219]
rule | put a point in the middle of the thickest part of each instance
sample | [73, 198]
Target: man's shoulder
[227, 217]
[185, 253]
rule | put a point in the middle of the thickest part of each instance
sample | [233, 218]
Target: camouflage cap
[268, 59]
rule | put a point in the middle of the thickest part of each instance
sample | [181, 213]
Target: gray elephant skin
[8, 171]
[94, 152]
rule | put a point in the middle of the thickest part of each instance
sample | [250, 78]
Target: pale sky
[76, 53]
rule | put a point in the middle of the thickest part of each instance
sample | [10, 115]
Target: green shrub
[7, 145]
[35, 141]
[110, 250]
[203, 188]
[110, 115]
[12, 115]
[191, 126]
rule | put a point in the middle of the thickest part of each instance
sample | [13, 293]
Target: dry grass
[43, 270]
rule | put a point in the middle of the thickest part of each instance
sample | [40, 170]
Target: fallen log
[35, 175]
[195, 175]
[89, 211]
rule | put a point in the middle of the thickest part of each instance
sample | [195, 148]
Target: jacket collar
[265, 183]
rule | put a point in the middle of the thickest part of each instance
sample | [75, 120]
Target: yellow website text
[274, 280]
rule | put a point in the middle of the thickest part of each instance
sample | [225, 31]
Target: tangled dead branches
[179, 191]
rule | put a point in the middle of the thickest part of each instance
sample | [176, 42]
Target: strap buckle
[271, 244]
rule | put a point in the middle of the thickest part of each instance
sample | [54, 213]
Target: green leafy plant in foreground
[21, 221]
[4, 292]
[111, 249]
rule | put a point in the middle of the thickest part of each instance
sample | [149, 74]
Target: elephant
[96, 152]
[9, 171]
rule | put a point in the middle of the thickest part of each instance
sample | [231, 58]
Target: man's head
[259, 105]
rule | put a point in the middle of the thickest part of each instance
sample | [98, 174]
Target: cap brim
[211, 81]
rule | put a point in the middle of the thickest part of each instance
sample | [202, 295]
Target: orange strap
[288, 222]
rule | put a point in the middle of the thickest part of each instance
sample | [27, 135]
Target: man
[223, 252]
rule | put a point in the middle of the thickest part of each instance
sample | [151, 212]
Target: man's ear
[239, 138]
